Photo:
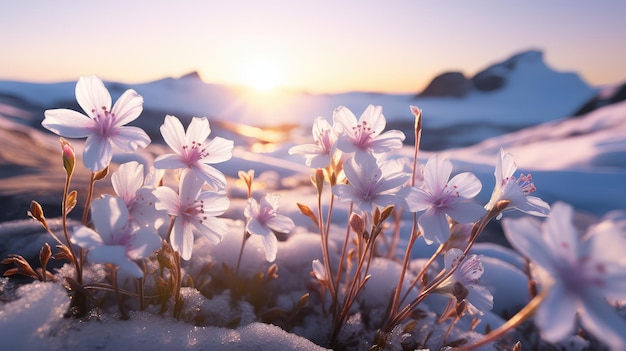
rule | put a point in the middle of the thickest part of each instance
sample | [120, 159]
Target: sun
[263, 75]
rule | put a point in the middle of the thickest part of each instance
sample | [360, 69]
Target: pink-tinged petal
[373, 116]
[452, 258]
[219, 150]
[505, 166]
[305, 149]
[127, 108]
[437, 173]
[143, 243]
[211, 228]
[173, 133]
[344, 119]
[387, 141]
[345, 144]
[480, 297]
[320, 126]
[417, 199]
[198, 130]
[189, 188]
[256, 227]
[534, 206]
[115, 254]
[384, 200]
[127, 180]
[466, 184]
[465, 212]
[271, 247]
[170, 161]
[556, 316]
[218, 201]
[560, 234]
[182, 238]
[271, 200]
[434, 226]
[318, 161]
[252, 208]
[603, 321]
[168, 200]
[68, 123]
[525, 235]
[86, 238]
[109, 215]
[129, 139]
[97, 154]
[214, 178]
[91, 94]
[281, 224]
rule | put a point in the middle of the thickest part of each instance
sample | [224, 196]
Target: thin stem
[422, 271]
[118, 296]
[521, 316]
[92, 182]
[246, 235]
[75, 261]
[342, 259]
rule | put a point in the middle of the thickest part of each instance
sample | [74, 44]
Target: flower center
[362, 133]
[194, 153]
[105, 121]
[196, 210]
[525, 183]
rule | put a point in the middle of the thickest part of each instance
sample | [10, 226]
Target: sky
[321, 46]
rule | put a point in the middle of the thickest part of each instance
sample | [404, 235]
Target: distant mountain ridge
[529, 64]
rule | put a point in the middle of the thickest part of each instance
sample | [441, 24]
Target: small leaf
[306, 210]
[63, 254]
[101, 174]
[302, 301]
[44, 255]
[386, 213]
[71, 201]
[36, 212]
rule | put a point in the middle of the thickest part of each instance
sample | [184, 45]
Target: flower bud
[36, 212]
[69, 157]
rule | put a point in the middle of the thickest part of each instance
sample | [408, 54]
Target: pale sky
[394, 46]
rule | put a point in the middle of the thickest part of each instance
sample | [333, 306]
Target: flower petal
[173, 133]
[168, 200]
[465, 211]
[219, 150]
[127, 180]
[182, 238]
[169, 161]
[211, 228]
[556, 316]
[97, 154]
[92, 95]
[115, 254]
[270, 243]
[256, 227]
[129, 139]
[198, 130]
[344, 119]
[281, 224]
[109, 215]
[466, 184]
[434, 226]
[437, 173]
[601, 319]
[214, 178]
[525, 235]
[68, 123]
[86, 237]
[127, 108]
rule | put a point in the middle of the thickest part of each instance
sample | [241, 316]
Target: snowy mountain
[531, 93]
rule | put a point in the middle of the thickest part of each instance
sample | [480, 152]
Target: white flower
[195, 211]
[318, 270]
[115, 239]
[365, 136]
[580, 275]
[440, 197]
[516, 191]
[193, 151]
[104, 127]
[318, 155]
[468, 274]
[263, 219]
[128, 184]
[371, 184]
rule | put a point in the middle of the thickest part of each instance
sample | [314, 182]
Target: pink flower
[468, 274]
[128, 184]
[517, 191]
[116, 240]
[365, 136]
[193, 151]
[371, 184]
[263, 219]
[195, 211]
[104, 127]
[441, 198]
[582, 276]
[318, 155]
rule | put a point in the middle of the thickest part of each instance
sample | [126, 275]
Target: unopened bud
[36, 212]
[357, 224]
[417, 112]
[69, 157]
[101, 174]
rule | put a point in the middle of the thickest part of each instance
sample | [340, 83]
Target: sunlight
[263, 75]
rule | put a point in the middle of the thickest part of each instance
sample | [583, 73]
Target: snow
[580, 160]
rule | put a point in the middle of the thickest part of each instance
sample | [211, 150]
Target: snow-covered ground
[581, 161]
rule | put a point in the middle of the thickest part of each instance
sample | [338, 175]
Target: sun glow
[263, 76]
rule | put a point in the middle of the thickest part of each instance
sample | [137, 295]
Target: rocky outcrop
[451, 84]
[606, 96]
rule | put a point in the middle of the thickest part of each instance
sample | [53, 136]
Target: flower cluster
[150, 219]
